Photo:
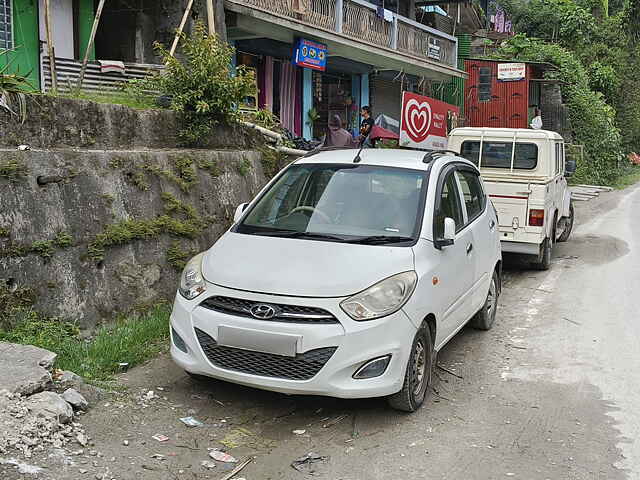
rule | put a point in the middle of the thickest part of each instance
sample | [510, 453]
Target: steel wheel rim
[491, 298]
[419, 368]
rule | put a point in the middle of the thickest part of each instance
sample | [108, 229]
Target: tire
[545, 260]
[568, 225]
[417, 378]
[483, 320]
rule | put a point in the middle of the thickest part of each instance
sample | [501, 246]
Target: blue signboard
[310, 54]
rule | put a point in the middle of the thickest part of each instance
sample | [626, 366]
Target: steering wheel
[309, 208]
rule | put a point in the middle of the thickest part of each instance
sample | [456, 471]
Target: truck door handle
[492, 225]
[469, 248]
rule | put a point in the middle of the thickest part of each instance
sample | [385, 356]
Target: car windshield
[348, 203]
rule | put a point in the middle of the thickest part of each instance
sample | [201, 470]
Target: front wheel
[483, 320]
[568, 225]
[417, 378]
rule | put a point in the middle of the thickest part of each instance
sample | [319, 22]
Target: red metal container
[489, 102]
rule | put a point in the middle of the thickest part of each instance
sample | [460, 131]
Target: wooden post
[92, 37]
[210, 17]
[180, 28]
[52, 55]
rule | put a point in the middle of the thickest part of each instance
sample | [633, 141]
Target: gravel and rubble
[29, 426]
[36, 421]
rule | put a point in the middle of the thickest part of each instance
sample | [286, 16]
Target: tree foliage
[597, 58]
[202, 88]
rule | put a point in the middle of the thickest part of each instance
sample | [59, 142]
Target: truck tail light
[536, 218]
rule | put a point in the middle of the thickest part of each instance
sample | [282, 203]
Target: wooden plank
[92, 37]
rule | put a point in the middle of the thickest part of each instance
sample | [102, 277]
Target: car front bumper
[356, 343]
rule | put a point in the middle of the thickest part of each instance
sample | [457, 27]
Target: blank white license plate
[258, 340]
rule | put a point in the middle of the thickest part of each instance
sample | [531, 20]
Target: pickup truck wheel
[483, 320]
[568, 225]
[417, 378]
[545, 260]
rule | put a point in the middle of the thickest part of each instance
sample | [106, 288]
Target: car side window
[448, 205]
[474, 197]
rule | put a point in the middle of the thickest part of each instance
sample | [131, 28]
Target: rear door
[511, 202]
[484, 231]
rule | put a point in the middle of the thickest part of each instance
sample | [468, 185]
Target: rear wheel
[545, 256]
[417, 378]
[568, 225]
[483, 320]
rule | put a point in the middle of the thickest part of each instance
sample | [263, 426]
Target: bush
[203, 90]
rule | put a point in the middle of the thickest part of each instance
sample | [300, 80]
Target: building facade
[372, 55]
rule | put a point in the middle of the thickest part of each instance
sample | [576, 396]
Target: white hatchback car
[344, 277]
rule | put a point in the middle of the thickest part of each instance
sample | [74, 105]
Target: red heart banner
[424, 121]
[417, 118]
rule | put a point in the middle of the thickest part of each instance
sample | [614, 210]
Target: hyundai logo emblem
[263, 311]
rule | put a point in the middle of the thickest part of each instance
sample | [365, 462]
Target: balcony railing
[358, 19]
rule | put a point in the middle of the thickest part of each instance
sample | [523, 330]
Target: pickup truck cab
[527, 185]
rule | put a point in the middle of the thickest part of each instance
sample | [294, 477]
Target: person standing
[336, 135]
[365, 126]
[536, 122]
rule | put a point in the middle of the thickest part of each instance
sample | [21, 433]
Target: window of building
[498, 154]
[484, 86]
[6, 25]
[473, 194]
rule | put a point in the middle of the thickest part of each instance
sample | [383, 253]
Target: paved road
[552, 392]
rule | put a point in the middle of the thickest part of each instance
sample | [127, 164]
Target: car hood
[300, 267]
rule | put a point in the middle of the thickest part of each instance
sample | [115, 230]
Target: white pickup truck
[527, 184]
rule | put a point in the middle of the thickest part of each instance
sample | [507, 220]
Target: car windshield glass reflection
[349, 203]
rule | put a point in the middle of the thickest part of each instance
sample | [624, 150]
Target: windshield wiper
[380, 240]
[296, 234]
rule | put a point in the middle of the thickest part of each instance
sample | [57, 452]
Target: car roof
[388, 157]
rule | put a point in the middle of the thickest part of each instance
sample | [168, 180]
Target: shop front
[304, 97]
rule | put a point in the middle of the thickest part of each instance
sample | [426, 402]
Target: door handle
[492, 225]
[469, 248]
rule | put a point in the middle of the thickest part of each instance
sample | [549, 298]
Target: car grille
[303, 366]
[283, 313]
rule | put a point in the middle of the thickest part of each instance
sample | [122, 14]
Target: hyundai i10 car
[344, 277]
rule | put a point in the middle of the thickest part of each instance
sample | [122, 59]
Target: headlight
[383, 298]
[191, 281]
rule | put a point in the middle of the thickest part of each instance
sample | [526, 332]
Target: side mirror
[449, 230]
[449, 236]
[239, 211]
[569, 168]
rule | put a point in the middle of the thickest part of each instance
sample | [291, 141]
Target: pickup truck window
[474, 198]
[498, 154]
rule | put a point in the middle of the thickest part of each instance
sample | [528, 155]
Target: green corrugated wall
[25, 59]
[453, 91]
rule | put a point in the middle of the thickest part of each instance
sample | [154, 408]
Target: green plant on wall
[12, 90]
[312, 117]
[200, 84]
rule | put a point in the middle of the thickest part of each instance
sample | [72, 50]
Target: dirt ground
[550, 393]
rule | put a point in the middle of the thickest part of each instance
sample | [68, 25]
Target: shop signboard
[434, 49]
[511, 72]
[310, 54]
[425, 121]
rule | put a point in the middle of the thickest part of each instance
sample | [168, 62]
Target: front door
[456, 271]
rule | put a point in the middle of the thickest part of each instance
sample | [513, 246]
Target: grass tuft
[133, 340]
[630, 177]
